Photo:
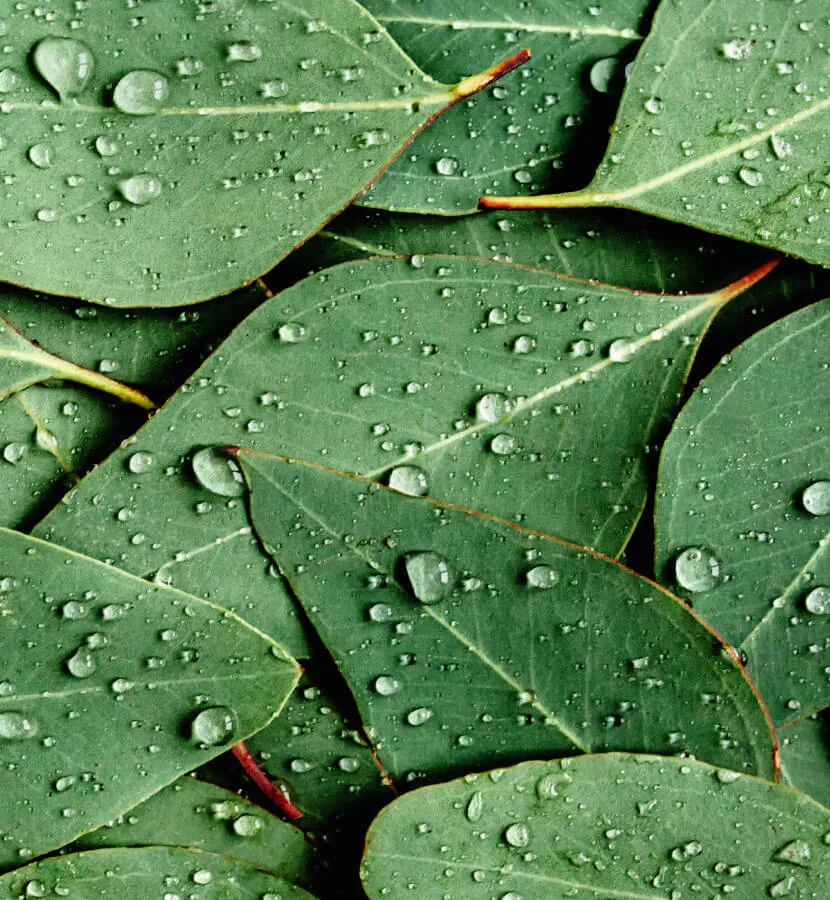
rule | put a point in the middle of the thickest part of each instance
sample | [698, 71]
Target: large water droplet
[517, 834]
[697, 569]
[621, 350]
[782, 888]
[217, 472]
[247, 826]
[739, 48]
[81, 664]
[292, 333]
[14, 452]
[418, 716]
[410, 480]
[446, 166]
[429, 575]
[492, 407]
[386, 685]
[244, 51]
[475, 807]
[140, 189]
[816, 498]
[796, 852]
[141, 92]
[106, 146]
[525, 343]
[139, 463]
[606, 75]
[213, 726]
[9, 81]
[503, 445]
[817, 601]
[654, 105]
[65, 64]
[750, 177]
[541, 577]
[41, 155]
[15, 726]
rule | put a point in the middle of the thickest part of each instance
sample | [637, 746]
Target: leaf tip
[476, 83]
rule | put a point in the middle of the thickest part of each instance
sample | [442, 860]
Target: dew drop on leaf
[213, 726]
[9, 81]
[782, 888]
[386, 685]
[750, 177]
[65, 64]
[654, 105]
[817, 601]
[697, 569]
[446, 166]
[41, 155]
[244, 51]
[217, 472]
[739, 48]
[15, 726]
[141, 92]
[621, 350]
[525, 343]
[105, 146]
[541, 577]
[188, 66]
[517, 835]
[418, 716]
[14, 452]
[815, 498]
[139, 463]
[604, 73]
[247, 826]
[140, 189]
[81, 664]
[796, 852]
[410, 480]
[492, 407]
[475, 807]
[503, 445]
[202, 876]
[428, 574]
[292, 333]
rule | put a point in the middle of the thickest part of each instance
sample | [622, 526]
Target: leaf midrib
[627, 34]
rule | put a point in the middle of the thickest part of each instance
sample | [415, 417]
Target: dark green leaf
[805, 756]
[140, 873]
[544, 127]
[732, 479]
[615, 826]
[166, 157]
[520, 646]
[723, 125]
[110, 688]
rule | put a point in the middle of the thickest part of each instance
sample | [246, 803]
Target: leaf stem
[476, 83]
[79, 374]
[730, 291]
[252, 769]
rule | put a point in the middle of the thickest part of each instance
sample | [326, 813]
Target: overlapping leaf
[723, 125]
[542, 128]
[469, 642]
[166, 156]
[805, 756]
[732, 480]
[110, 688]
[637, 827]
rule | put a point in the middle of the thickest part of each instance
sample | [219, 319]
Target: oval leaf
[722, 126]
[468, 641]
[111, 688]
[634, 827]
[732, 479]
[197, 149]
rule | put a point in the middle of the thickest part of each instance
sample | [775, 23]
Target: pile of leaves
[359, 459]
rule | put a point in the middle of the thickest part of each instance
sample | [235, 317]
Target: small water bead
[64, 783]
[141, 92]
[15, 726]
[750, 177]
[217, 472]
[581, 348]
[244, 51]
[81, 664]
[739, 48]
[9, 81]
[621, 350]
[73, 609]
[14, 452]
[503, 445]
[348, 764]
[446, 166]
[687, 851]
[105, 146]
[429, 575]
[697, 569]
[796, 852]
[140, 189]
[817, 601]
[121, 685]
[517, 835]
[380, 612]
[654, 105]
[386, 685]
[139, 463]
[475, 807]
[816, 498]
[202, 876]
[188, 66]
[782, 888]
[292, 333]
[497, 316]
[541, 577]
[419, 716]
[410, 480]
[41, 155]
[66, 64]
[213, 726]
[781, 147]
[273, 90]
[525, 343]
[247, 826]
[492, 407]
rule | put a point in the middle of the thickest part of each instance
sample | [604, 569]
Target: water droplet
[81, 664]
[446, 166]
[113, 611]
[188, 66]
[418, 716]
[140, 189]
[739, 48]
[817, 601]
[697, 569]
[301, 766]
[292, 333]
[621, 350]
[782, 888]
[273, 90]
[525, 343]
[750, 177]
[9, 80]
[65, 64]
[139, 463]
[475, 807]
[503, 444]
[654, 105]
[105, 146]
[541, 577]
[581, 348]
[247, 826]
[213, 726]
[410, 480]
[41, 155]
[517, 835]
[217, 472]
[796, 852]
[492, 407]
[73, 609]
[202, 876]
[15, 726]
[429, 575]
[121, 685]
[64, 783]
[141, 92]
[605, 75]
[14, 452]
[386, 685]
[781, 147]
[816, 498]
[497, 316]
[244, 51]
[687, 851]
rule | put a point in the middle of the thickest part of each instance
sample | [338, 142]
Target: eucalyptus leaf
[622, 826]
[805, 756]
[723, 126]
[136, 873]
[112, 688]
[191, 813]
[544, 127]
[735, 532]
[165, 157]
[468, 641]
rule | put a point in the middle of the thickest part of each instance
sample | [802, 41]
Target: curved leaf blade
[732, 474]
[506, 660]
[183, 169]
[99, 678]
[722, 126]
[621, 826]
[805, 756]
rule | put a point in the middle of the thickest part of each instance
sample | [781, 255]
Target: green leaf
[468, 641]
[805, 756]
[111, 688]
[202, 816]
[544, 127]
[722, 126]
[196, 150]
[395, 355]
[615, 826]
[139, 873]
[732, 479]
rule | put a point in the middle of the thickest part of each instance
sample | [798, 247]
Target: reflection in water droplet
[386, 685]
[244, 51]
[81, 664]
[41, 155]
[15, 726]
[141, 92]
[517, 835]
[217, 472]
[541, 577]
[65, 64]
[817, 601]
[697, 569]
[292, 333]
[140, 189]
[492, 407]
[816, 498]
[418, 716]
[213, 726]
[429, 575]
[410, 480]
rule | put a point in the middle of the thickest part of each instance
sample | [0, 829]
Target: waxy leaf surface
[467, 641]
[805, 756]
[165, 157]
[544, 127]
[732, 478]
[137, 873]
[104, 679]
[723, 125]
[615, 826]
